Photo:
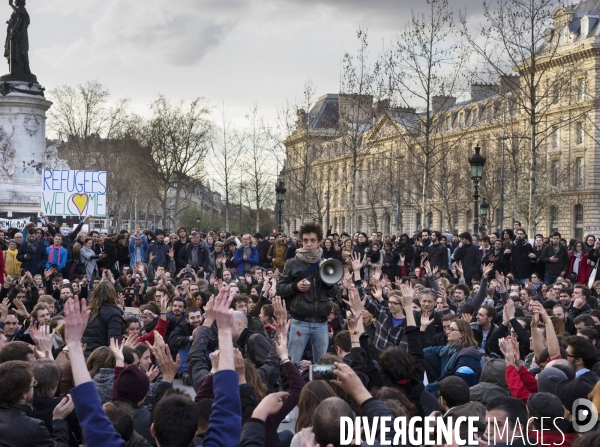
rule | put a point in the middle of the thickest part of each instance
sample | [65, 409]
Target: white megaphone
[331, 271]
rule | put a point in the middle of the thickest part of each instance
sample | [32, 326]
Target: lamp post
[198, 221]
[398, 196]
[477, 161]
[483, 209]
[280, 197]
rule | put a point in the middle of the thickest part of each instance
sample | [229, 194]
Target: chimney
[483, 91]
[381, 106]
[301, 114]
[440, 103]
[509, 84]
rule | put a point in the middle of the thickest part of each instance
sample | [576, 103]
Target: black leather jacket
[314, 305]
[20, 429]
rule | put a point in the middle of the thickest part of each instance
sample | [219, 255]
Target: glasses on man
[393, 303]
[34, 384]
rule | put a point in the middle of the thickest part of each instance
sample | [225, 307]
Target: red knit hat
[132, 385]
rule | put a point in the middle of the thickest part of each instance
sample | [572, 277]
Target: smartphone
[321, 372]
[188, 270]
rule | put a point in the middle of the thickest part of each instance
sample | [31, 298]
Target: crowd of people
[95, 328]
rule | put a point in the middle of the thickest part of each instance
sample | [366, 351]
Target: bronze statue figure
[16, 48]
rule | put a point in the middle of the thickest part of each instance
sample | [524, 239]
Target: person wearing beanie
[568, 391]
[131, 386]
[546, 414]
[549, 379]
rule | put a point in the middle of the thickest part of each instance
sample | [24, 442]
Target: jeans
[183, 353]
[549, 279]
[301, 333]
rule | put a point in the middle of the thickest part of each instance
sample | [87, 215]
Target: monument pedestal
[23, 152]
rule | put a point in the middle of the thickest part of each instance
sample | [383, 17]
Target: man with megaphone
[307, 295]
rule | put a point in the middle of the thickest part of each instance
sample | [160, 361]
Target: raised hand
[487, 269]
[161, 352]
[76, 319]
[352, 320]
[209, 313]
[354, 300]
[425, 320]
[427, 266]
[117, 352]
[21, 310]
[279, 310]
[132, 341]
[42, 336]
[271, 404]
[509, 309]
[152, 372]
[356, 262]
[222, 309]
[377, 274]
[214, 360]
[377, 292]
[240, 366]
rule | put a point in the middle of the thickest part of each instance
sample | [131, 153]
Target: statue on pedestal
[16, 47]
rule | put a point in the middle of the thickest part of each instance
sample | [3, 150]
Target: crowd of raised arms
[95, 329]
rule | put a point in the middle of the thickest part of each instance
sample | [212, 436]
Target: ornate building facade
[408, 170]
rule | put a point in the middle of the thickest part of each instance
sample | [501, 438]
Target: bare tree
[226, 151]
[259, 170]
[361, 84]
[425, 69]
[519, 36]
[82, 115]
[171, 149]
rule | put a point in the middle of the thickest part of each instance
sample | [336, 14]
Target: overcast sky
[241, 52]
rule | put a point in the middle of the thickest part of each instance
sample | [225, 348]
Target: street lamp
[280, 197]
[483, 209]
[477, 161]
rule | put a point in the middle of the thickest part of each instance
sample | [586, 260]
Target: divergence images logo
[585, 415]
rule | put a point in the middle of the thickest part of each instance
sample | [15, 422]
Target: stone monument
[23, 151]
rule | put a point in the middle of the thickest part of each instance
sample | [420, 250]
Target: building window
[359, 223]
[556, 94]
[418, 223]
[578, 218]
[553, 219]
[555, 136]
[468, 221]
[555, 171]
[335, 226]
[581, 89]
[454, 223]
[430, 220]
[579, 132]
[343, 224]
[579, 171]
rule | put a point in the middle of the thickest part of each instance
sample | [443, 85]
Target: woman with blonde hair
[460, 352]
[11, 265]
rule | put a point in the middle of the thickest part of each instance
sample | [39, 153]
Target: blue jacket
[96, 427]
[238, 259]
[37, 261]
[225, 422]
[63, 258]
[160, 252]
[143, 248]
[453, 359]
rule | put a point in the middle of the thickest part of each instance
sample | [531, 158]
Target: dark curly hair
[396, 363]
[312, 227]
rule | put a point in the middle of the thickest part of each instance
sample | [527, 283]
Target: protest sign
[14, 223]
[73, 193]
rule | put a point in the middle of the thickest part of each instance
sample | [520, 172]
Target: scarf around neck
[33, 246]
[309, 257]
[54, 251]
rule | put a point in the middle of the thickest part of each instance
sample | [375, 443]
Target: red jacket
[521, 383]
[584, 269]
